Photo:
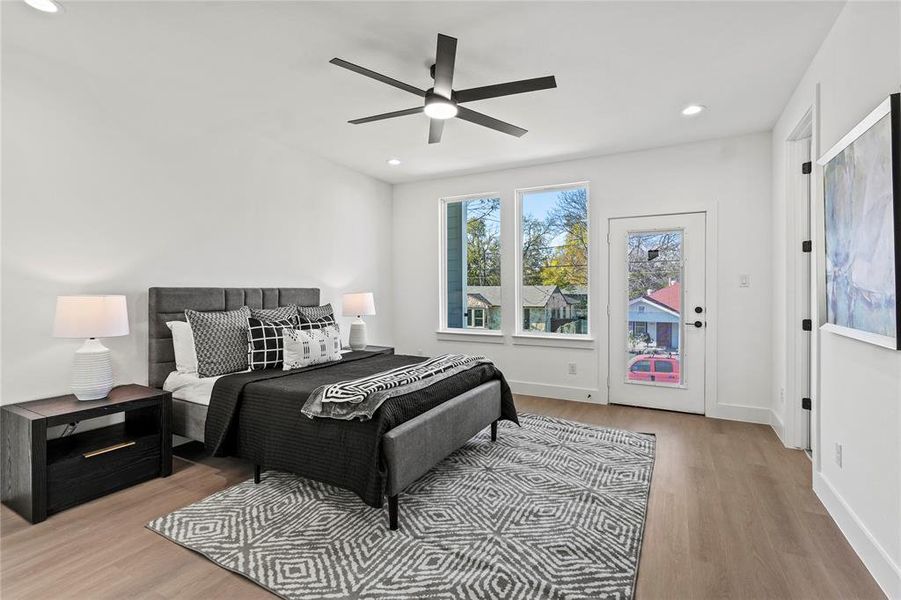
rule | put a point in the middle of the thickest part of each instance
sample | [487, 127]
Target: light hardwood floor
[731, 515]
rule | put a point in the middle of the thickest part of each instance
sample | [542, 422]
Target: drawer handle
[112, 448]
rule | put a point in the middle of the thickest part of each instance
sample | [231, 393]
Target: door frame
[711, 407]
[800, 221]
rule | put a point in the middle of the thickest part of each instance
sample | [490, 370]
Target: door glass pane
[655, 307]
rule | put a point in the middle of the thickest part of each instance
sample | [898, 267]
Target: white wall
[859, 400]
[95, 202]
[731, 176]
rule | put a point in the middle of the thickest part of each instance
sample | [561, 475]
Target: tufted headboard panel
[170, 303]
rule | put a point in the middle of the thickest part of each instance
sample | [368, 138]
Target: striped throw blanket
[360, 398]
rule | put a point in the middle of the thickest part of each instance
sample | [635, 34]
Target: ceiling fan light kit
[437, 107]
[442, 102]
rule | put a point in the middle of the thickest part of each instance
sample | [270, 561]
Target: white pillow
[183, 340]
[312, 347]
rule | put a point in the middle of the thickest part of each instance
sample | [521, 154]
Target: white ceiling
[195, 70]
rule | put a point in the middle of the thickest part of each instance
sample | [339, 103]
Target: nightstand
[41, 477]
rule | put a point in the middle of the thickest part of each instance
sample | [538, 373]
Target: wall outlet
[781, 396]
[572, 368]
[744, 280]
[838, 454]
[420, 352]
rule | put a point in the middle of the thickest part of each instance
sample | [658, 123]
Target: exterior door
[657, 312]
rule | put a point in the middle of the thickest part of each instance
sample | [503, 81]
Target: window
[471, 229]
[475, 317]
[663, 366]
[554, 247]
[638, 328]
[642, 366]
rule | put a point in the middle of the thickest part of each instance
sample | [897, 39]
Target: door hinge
[805, 403]
[806, 168]
[807, 246]
[807, 325]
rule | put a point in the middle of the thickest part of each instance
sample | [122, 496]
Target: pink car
[654, 367]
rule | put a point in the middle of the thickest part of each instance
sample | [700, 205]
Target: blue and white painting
[860, 240]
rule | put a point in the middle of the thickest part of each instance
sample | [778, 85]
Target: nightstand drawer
[85, 470]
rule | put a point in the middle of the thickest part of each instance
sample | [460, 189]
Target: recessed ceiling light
[47, 6]
[393, 161]
[693, 109]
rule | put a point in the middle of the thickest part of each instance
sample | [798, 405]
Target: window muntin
[554, 250]
[472, 262]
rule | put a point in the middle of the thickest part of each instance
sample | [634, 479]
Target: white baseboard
[778, 427]
[880, 564]
[739, 412]
[561, 392]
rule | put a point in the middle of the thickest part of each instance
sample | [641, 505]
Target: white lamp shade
[90, 317]
[358, 304]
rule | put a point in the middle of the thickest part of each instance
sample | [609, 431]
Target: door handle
[697, 324]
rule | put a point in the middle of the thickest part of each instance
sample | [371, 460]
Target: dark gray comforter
[257, 416]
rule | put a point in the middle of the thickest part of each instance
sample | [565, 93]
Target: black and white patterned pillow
[311, 347]
[282, 313]
[265, 343]
[220, 339]
[316, 317]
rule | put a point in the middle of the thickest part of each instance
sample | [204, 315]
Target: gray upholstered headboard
[169, 304]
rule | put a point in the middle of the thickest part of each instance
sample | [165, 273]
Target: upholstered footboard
[414, 447]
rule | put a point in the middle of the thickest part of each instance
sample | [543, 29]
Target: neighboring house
[545, 308]
[655, 317]
[483, 307]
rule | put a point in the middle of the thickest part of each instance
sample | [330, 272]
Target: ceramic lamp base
[357, 339]
[92, 371]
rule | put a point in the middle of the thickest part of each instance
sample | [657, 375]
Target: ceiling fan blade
[390, 115]
[445, 56]
[506, 89]
[436, 128]
[490, 122]
[378, 76]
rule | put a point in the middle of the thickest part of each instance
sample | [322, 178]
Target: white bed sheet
[190, 387]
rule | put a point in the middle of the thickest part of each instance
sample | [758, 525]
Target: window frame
[525, 335]
[442, 266]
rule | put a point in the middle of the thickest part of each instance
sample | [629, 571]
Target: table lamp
[357, 305]
[91, 317]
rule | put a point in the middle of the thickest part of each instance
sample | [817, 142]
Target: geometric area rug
[553, 509]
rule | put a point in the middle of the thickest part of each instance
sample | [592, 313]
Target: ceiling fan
[442, 102]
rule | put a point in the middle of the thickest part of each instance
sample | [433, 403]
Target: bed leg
[392, 513]
[494, 431]
[256, 473]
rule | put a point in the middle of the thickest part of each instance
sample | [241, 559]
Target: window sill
[554, 341]
[459, 335]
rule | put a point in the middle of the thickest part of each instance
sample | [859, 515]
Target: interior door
[657, 311]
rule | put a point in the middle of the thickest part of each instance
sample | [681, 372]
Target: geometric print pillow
[220, 339]
[312, 347]
[282, 313]
[316, 317]
[264, 343]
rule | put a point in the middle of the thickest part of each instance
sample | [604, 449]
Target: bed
[255, 415]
